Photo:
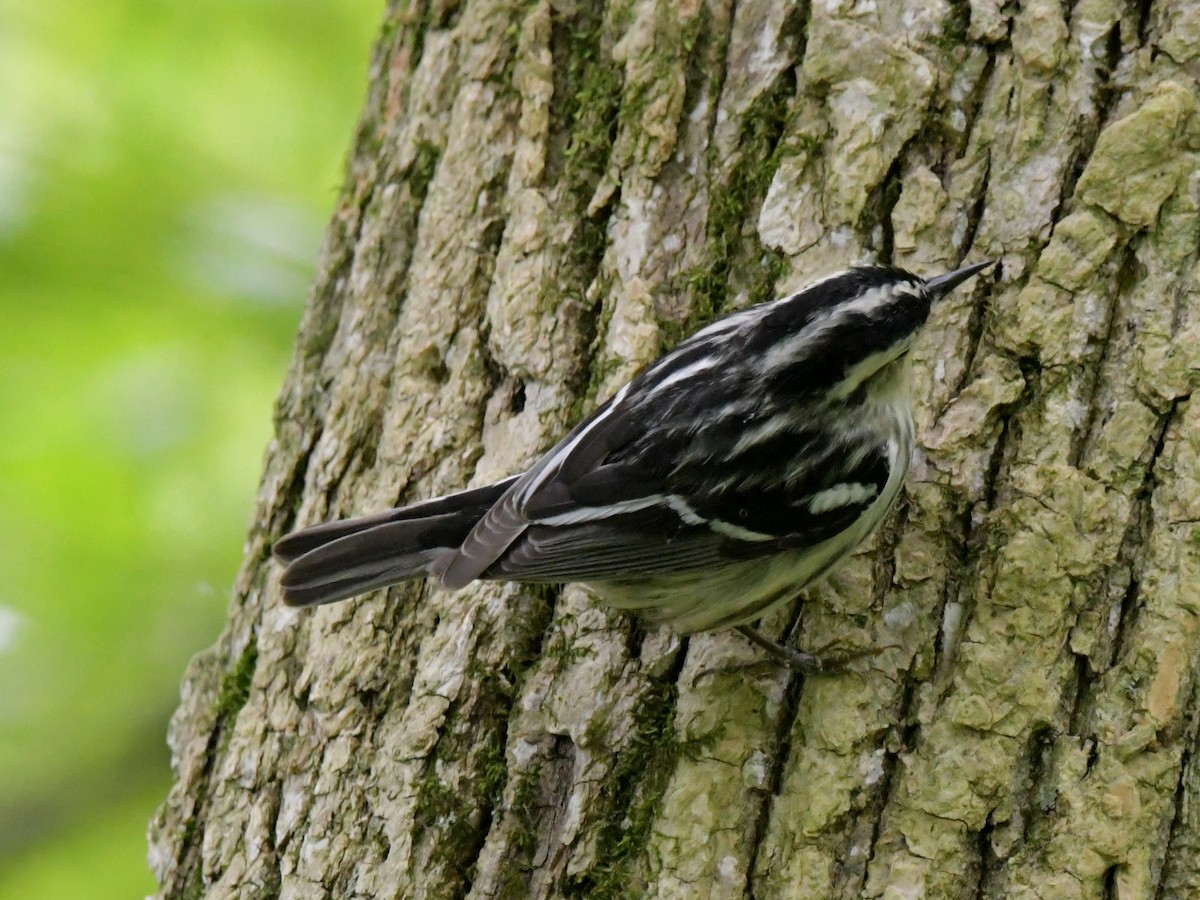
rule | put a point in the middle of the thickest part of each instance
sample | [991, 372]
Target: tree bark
[543, 196]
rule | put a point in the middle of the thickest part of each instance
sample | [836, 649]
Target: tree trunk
[542, 197]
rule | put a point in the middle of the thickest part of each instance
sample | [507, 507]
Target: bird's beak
[943, 284]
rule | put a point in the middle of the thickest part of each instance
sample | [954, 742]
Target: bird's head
[843, 332]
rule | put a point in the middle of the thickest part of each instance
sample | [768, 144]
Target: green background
[166, 170]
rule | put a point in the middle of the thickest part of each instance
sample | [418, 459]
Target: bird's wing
[586, 512]
[646, 543]
[644, 534]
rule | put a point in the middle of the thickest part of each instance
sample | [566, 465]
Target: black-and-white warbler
[711, 488]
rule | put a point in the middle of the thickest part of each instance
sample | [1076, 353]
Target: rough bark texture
[541, 198]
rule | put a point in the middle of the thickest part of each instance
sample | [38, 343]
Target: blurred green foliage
[165, 173]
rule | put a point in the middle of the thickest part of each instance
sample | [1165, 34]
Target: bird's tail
[337, 560]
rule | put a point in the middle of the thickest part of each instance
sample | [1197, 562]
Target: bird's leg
[808, 663]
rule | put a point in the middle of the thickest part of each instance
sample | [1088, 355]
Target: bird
[714, 486]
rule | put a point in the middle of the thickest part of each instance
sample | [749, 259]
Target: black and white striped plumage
[715, 485]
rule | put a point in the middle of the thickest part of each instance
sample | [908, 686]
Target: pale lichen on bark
[542, 196]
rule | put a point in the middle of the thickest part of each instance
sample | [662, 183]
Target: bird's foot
[819, 663]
